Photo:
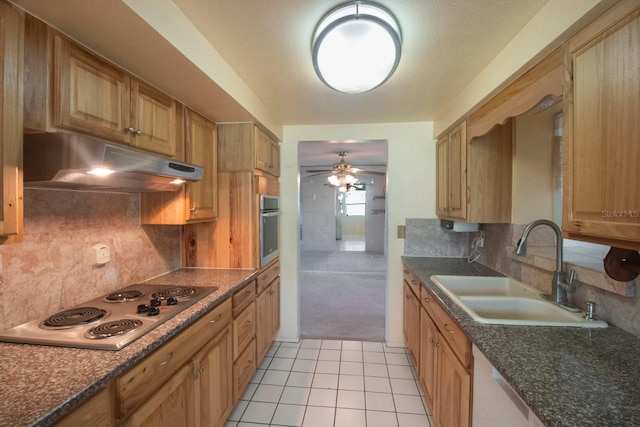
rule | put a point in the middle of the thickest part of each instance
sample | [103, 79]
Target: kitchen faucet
[559, 286]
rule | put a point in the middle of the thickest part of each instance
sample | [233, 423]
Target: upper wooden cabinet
[601, 158]
[452, 174]
[245, 147]
[196, 202]
[474, 177]
[11, 36]
[70, 88]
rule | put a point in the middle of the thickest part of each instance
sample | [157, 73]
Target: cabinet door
[96, 412]
[11, 32]
[451, 166]
[428, 355]
[411, 324]
[263, 150]
[172, 405]
[90, 95]
[215, 381]
[201, 150]
[457, 188]
[267, 153]
[153, 121]
[263, 303]
[602, 143]
[267, 317]
[442, 177]
[274, 294]
[452, 408]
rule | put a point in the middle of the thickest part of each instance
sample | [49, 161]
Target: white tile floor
[328, 383]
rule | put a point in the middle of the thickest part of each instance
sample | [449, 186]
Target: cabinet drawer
[412, 281]
[267, 275]
[243, 369]
[243, 298]
[244, 329]
[458, 341]
[135, 386]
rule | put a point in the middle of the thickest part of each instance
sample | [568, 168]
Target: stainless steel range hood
[69, 161]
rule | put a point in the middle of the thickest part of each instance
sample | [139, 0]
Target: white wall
[410, 194]
[533, 191]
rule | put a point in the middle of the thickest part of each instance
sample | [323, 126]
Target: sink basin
[505, 301]
[484, 286]
[523, 311]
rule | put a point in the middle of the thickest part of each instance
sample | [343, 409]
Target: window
[355, 202]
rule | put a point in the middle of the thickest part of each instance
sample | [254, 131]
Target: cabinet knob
[192, 209]
[446, 328]
[138, 132]
[130, 129]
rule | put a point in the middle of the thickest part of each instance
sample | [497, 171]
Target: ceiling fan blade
[319, 173]
[364, 172]
[319, 170]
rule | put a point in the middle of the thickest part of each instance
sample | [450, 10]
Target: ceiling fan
[343, 168]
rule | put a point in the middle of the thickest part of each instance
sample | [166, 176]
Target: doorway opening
[342, 241]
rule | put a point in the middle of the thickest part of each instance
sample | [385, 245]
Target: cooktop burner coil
[73, 317]
[112, 329]
[124, 296]
[177, 292]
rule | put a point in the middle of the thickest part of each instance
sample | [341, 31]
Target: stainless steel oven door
[268, 237]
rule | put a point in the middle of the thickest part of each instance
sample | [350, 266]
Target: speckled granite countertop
[38, 384]
[567, 376]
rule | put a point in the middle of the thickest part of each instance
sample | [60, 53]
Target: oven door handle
[268, 214]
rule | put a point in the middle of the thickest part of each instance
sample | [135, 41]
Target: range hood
[74, 162]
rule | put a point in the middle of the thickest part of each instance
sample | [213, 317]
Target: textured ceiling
[445, 44]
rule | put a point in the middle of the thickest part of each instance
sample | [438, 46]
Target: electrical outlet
[101, 254]
[401, 231]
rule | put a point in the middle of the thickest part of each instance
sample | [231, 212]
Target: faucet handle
[572, 276]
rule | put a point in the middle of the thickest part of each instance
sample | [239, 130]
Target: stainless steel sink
[505, 301]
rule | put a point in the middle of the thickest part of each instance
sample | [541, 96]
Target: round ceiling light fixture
[356, 47]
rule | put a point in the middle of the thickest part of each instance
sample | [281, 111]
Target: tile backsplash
[425, 238]
[52, 269]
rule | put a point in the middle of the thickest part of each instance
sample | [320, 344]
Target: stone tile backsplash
[52, 268]
[425, 238]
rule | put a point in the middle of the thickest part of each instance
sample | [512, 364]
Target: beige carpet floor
[344, 306]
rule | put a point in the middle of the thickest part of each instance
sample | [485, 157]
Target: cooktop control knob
[155, 302]
[172, 301]
[143, 308]
[153, 311]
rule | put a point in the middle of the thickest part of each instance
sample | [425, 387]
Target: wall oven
[269, 218]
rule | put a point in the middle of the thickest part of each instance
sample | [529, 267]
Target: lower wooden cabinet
[411, 324]
[170, 386]
[452, 405]
[445, 374]
[442, 355]
[428, 352]
[268, 317]
[173, 404]
[244, 337]
[214, 398]
[95, 412]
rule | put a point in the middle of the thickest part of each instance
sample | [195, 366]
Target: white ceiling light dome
[356, 47]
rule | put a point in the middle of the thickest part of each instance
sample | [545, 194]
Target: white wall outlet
[101, 254]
